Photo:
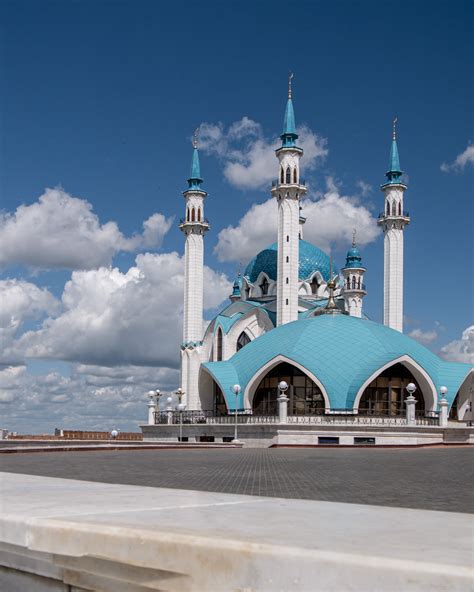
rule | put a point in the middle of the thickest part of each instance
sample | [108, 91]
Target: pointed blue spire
[353, 257]
[394, 172]
[195, 179]
[289, 134]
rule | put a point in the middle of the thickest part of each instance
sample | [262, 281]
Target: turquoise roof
[340, 350]
[289, 134]
[311, 259]
[353, 258]
[394, 172]
[195, 179]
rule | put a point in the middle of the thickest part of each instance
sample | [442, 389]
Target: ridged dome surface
[311, 259]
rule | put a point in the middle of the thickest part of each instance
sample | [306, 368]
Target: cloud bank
[248, 156]
[61, 231]
[463, 160]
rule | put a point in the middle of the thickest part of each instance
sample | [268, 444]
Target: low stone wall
[264, 436]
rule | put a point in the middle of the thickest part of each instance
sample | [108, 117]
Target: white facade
[287, 192]
[393, 222]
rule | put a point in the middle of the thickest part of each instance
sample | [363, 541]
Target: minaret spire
[353, 274]
[288, 189]
[193, 226]
[393, 221]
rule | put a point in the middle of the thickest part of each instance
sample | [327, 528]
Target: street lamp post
[410, 402]
[151, 407]
[181, 408]
[169, 410]
[236, 390]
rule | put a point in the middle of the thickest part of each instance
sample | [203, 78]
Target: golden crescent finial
[290, 76]
[195, 137]
[394, 134]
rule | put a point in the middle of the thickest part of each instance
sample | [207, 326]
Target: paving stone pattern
[430, 478]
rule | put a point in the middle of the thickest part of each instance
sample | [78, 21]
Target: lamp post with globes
[153, 405]
[443, 407]
[181, 407]
[410, 402]
[236, 390]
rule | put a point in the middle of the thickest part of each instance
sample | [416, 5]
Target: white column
[410, 402]
[193, 286]
[288, 260]
[393, 220]
[288, 190]
[443, 412]
[282, 408]
[151, 412]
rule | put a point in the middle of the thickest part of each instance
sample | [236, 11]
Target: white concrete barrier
[56, 533]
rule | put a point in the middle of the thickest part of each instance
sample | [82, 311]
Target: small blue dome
[311, 259]
[353, 257]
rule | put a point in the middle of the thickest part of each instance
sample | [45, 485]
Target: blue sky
[101, 98]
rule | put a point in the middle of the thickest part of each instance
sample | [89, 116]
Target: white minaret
[194, 225]
[393, 220]
[287, 190]
[354, 288]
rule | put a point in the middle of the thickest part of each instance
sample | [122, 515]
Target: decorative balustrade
[318, 416]
[405, 214]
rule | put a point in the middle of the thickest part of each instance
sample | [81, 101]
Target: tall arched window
[282, 175]
[386, 394]
[353, 282]
[388, 209]
[399, 208]
[348, 283]
[314, 285]
[394, 209]
[243, 340]
[294, 176]
[264, 286]
[219, 345]
[305, 397]
[288, 176]
[199, 214]
[193, 215]
[358, 283]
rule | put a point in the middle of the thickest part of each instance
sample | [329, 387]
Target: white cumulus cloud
[460, 350]
[331, 218]
[461, 162]
[61, 231]
[248, 156]
[424, 337]
[114, 318]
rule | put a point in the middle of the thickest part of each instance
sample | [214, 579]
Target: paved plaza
[430, 478]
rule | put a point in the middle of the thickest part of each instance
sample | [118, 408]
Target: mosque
[295, 317]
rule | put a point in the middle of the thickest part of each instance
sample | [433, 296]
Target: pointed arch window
[288, 176]
[282, 175]
[348, 283]
[399, 209]
[394, 209]
[314, 285]
[264, 286]
[353, 282]
[199, 215]
[243, 340]
[294, 176]
[388, 209]
[219, 345]
[193, 215]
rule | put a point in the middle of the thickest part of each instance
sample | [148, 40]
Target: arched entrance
[305, 397]
[386, 394]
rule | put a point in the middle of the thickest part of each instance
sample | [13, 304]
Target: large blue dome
[311, 259]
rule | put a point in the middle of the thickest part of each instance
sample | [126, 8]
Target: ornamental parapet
[190, 344]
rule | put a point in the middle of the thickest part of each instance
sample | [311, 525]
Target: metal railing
[202, 221]
[404, 214]
[320, 416]
[277, 183]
